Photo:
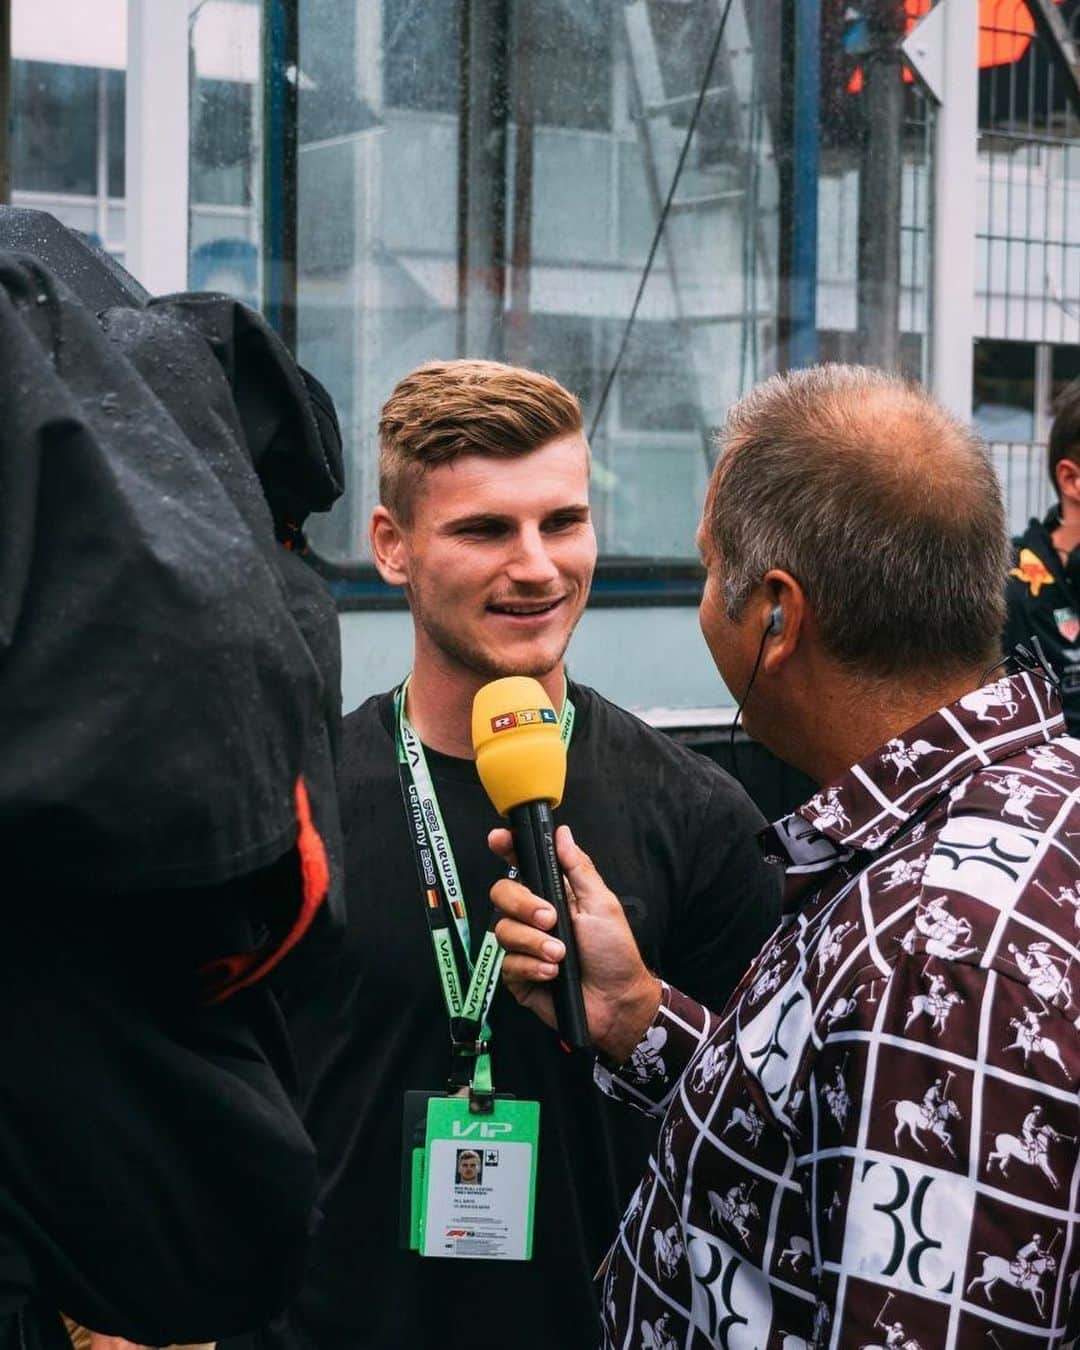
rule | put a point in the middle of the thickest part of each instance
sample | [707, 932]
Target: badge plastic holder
[468, 1180]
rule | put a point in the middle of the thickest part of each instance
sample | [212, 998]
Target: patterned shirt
[876, 1143]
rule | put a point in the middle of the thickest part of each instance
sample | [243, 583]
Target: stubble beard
[478, 660]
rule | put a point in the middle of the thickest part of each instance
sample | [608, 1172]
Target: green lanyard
[444, 904]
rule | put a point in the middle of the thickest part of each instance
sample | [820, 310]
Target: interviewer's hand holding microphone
[570, 955]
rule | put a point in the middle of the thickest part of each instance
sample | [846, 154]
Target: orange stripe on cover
[227, 975]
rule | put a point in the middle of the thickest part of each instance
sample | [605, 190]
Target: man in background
[1043, 589]
[484, 522]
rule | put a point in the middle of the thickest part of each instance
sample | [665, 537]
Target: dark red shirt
[876, 1142]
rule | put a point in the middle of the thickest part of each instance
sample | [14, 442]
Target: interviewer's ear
[783, 620]
[388, 547]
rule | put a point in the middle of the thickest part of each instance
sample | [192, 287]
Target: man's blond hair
[444, 409]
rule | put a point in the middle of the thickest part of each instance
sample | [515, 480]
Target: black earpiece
[776, 620]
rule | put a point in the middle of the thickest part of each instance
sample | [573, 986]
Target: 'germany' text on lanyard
[444, 905]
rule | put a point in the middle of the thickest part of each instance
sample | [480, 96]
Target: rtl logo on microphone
[524, 718]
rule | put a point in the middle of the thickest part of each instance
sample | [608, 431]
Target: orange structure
[1005, 29]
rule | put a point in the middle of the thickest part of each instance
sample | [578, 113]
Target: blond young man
[484, 522]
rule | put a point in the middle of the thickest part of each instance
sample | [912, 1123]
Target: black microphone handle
[534, 840]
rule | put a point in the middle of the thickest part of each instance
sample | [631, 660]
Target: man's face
[468, 1167]
[499, 558]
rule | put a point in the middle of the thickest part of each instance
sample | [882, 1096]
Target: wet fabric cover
[168, 681]
[157, 697]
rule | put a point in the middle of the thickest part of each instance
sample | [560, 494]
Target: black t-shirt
[673, 836]
[1048, 609]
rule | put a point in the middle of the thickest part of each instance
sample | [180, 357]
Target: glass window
[1065, 368]
[1004, 392]
[54, 119]
[656, 391]
[225, 149]
[334, 102]
[221, 142]
[421, 42]
[564, 345]
[523, 235]
[490, 180]
[564, 50]
[67, 114]
[116, 122]
[529, 229]
[844, 346]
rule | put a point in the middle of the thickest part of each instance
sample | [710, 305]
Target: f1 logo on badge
[485, 1129]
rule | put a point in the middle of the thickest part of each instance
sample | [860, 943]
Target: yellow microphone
[520, 754]
[521, 759]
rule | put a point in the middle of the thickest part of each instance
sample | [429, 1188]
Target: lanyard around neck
[441, 886]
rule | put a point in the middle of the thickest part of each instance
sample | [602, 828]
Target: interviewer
[876, 1139]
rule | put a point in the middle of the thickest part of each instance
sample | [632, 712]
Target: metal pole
[517, 335]
[281, 80]
[156, 145]
[482, 179]
[806, 126]
[5, 101]
[879, 188]
[952, 323]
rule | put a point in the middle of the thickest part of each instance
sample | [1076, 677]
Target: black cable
[1029, 658]
[769, 629]
[663, 219]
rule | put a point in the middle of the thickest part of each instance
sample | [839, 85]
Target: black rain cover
[156, 695]
[169, 678]
[92, 275]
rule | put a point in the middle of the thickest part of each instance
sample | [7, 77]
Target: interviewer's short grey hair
[882, 505]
